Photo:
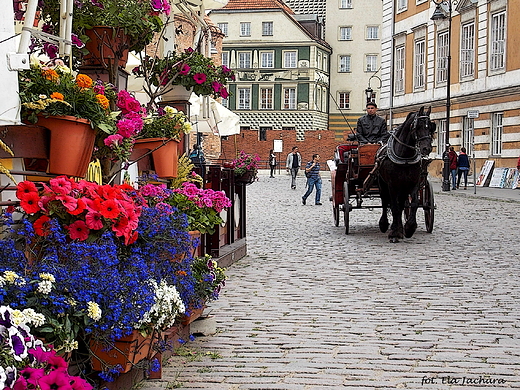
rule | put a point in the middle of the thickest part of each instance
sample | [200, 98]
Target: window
[262, 133]
[225, 102]
[419, 64]
[373, 32]
[266, 59]
[319, 94]
[345, 4]
[224, 28]
[325, 63]
[399, 69]
[266, 98]
[225, 58]
[467, 51]
[371, 60]
[344, 100]
[245, 29]
[289, 99]
[402, 5]
[344, 64]
[244, 98]
[498, 33]
[467, 134]
[244, 59]
[345, 33]
[289, 59]
[441, 137]
[267, 28]
[442, 56]
[496, 133]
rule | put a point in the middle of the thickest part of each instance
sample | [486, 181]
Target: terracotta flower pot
[165, 158]
[194, 313]
[105, 45]
[127, 351]
[71, 144]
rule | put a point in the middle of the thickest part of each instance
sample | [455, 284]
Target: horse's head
[424, 129]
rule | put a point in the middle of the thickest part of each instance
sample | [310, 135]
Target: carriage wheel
[429, 206]
[335, 211]
[346, 206]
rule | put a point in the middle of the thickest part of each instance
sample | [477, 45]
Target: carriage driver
[371, 128]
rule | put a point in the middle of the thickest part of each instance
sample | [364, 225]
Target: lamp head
[438, 15]
[368, 93]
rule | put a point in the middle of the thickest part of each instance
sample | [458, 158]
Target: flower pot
[247, 178]
[194, 313]
[176, 93]
[105, 46]
[126, 352]
[196, 250]
[71, 144]
[165, 158]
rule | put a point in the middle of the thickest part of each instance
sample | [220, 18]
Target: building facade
[480, 46]
[282, 68]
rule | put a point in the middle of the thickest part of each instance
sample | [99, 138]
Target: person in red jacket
[518, 164]
[452, 155]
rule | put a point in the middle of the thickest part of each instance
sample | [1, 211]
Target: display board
[485, 173]
[498, 178]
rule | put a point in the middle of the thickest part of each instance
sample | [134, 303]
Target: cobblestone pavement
[313, 308]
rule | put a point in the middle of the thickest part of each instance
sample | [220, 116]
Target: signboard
[277, 146]
[484, 173]
[473, 114]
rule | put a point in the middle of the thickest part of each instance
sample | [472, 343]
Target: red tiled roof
[257, 4]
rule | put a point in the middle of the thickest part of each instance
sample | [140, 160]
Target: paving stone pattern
[313, 308]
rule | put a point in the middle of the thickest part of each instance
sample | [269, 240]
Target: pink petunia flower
[94, 220]
[199, 78]
[78, 230]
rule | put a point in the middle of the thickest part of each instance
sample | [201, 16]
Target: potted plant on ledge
[245, 168]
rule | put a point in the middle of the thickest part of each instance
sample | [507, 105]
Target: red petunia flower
[29, 202]
[94, 220]
[109, 209]
[61, 185]
[78, 230]
[81, 205]
[121, 227]
[69, 202]
[199, 78]
[24, 188]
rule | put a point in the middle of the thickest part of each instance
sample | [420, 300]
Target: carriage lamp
[442, 12]
[369, 92]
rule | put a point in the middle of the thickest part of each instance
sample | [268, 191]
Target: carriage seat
[340, 155]
[367, 154]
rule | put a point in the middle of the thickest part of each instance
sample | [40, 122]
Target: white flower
[93, 311]
[45, 286]
[47, 276]
[17, 317]
[70, 345]
[170, 111]
[187, 127]
[13, 278]
[37, 319]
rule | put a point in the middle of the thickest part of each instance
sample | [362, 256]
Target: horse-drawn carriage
[396, 172]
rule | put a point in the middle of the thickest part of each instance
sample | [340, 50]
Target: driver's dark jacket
[371, 129]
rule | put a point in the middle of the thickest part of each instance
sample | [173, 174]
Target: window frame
[441, 74]
[224, 57]
[266, 102]
[370, 38]
[497, 132]
[419, 62]
[262, 132]
[467, 50]
[224, 30]
[400, 64]
[345, 4]
[239, 59]
[468, 133]
[497, 42]
[347, 37]
[241, 104]
[270, 29]
[245, 29]
[441, 137]
[371, 61]
[344, 104]
[348, 69]
[289, 102]
[261, 55]
[286, 60]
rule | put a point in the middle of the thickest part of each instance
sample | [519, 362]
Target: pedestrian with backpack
[312, 171]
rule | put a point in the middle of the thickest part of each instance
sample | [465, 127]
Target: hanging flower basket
[176, 93]
[165, 157]
[106, 44]
[71, 144]
[126, 352]
[247, 178]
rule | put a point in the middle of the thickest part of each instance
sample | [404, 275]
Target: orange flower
[57, 96]
[181, 273]
[103, 101]
[50, 74]
[84, 81]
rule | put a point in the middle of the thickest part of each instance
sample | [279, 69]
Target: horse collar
[398, 159]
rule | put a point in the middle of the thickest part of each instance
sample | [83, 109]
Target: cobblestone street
[312, 308]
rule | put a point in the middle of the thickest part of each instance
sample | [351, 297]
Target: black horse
[400, 163]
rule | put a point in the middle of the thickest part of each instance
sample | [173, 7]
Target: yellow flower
[47, 276]
[103, 101]
[83, 81]
[93, 311]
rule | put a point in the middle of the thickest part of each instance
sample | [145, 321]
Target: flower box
[125, 352]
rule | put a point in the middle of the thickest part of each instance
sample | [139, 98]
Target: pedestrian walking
[371, 128]
[463, 165]
[312, 171]
[452, 155]
[293, 164]
[272, 162]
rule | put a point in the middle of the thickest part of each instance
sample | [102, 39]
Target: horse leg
[383, 221]
[396, 229]
[411, 223]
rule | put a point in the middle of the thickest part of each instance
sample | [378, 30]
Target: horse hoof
[383, 226]
[394, 240]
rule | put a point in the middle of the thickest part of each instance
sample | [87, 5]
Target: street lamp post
[437, 16]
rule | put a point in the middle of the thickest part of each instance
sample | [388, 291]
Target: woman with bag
[463, 163]
[272, 162]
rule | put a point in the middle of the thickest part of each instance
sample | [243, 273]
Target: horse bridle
[417, 155]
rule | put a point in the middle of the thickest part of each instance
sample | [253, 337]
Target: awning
[209, 116]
